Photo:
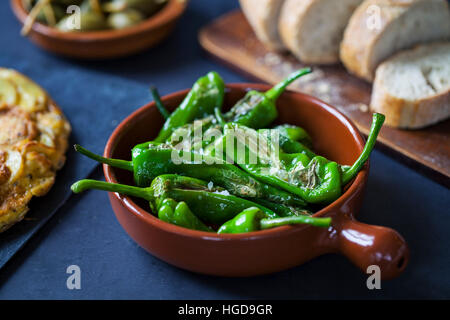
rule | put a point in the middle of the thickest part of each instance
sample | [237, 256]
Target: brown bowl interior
[333, 134]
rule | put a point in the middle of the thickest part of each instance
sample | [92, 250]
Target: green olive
[94, 5]
[67, 2]
[58, 12]
[89, 21]
[146, 7]
[125, 19]
[99, 15]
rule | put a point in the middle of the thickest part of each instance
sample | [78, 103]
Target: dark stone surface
[96, 96]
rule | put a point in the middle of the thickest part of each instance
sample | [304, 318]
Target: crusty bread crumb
[380, 28]
[313, 29]
[413, 88]
[263, 17]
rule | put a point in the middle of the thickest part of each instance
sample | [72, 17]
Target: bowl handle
[367, 245]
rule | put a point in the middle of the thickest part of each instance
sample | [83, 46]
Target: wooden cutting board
[232, 41]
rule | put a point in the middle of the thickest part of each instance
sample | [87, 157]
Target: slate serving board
[231, 39]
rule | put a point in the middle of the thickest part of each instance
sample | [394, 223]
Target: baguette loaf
[413, 88]
[313, 29]
[380, 28]
[263, 17]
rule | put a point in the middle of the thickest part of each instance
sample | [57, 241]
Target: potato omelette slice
[33, 142]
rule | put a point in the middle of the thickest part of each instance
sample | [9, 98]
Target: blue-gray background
[96, 96]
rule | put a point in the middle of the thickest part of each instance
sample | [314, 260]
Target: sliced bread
[380, 28]
[313, 29]
[263, 17]
[413, 88]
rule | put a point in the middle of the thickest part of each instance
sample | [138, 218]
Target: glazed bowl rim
[171, 11]
[148, 218]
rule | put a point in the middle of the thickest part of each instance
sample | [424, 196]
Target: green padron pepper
[173, 197]
[179, 214]
[315, 180]
[210, 204]
[253, 219]
[206, 94]
[294, 133]
[151, 159]
[291, 139]
[257, 109]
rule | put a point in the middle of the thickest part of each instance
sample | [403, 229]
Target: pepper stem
[117, 163]
[278, 222]
[159, 104]
[219, 116]
[278, 89]
[377, 123]
[87, 184]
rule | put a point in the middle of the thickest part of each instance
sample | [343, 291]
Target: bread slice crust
[413, 112]
[263, 16]
[301, 21]
[376, 20]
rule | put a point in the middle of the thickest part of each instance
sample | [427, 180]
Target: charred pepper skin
[283, 210]
[151, 159]
[326, 190]
[295, 133]
[211, 206]
[253, 219]
[257, 110]
[150, 162]
[206, 94]
[316, 180]
[174, 196]
[292, 139]
[215, 208]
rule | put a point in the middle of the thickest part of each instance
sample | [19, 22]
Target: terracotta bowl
[269, 250]
[108, 43]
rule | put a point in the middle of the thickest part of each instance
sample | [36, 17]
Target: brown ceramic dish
[269, 250]
[108, 43]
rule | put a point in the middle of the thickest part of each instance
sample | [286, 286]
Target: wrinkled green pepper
[315, 180]
[179, 214]
[294, 133]
[206, 94]
[150, 160]
[257, 109]
[253, 219]
[291, 139]
[281, 209]
[211, 205]
[196, 136]
[246, 221]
